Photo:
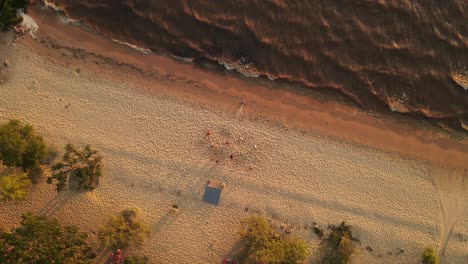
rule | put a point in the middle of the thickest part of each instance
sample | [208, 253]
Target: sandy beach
[298, 158]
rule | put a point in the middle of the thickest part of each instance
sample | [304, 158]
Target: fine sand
[156, 154]
[305, 109]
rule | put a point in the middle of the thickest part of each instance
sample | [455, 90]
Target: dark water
[410, 56]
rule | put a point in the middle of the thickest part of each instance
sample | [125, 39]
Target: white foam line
[52, 6]
[231, 68]
[140, 49]
[179, 58]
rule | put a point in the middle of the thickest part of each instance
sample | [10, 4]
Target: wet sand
[303, 158]
[312, 111]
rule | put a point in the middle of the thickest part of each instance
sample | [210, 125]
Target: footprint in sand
[452, 187]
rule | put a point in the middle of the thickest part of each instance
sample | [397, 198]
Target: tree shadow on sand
[234, 251]
[56, 203]
[165, 220]
[103, 254]
[191, 192]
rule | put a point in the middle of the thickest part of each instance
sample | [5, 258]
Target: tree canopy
[39, 240]
[338, 246]
[13, 185]
[136, 260]
[429, 256]
[8, 15]
[123, 230]
[261, 243]
[84, 164]
[20, 146]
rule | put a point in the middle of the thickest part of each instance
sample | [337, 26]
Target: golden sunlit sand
[157, 153]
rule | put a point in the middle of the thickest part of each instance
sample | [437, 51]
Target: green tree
[83, 164]
[40, 240]
[261, 243]
[8, 15]
[338, 246]
[20, 146]
[429, 256]
[123, 230]
[136, 260]
[13, 185]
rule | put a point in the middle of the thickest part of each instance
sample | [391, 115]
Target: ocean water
[408, 56]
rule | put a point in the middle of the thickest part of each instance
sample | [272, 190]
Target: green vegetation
[429, 256]
[318, 230]
[123, 230]
[338, 246]
[20, 146]
[13, 185]
[136, 260]
[42, 240]
[8, 16]
[83, 164]
[261, 243]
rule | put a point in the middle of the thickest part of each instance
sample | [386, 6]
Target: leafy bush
[13, 185]
[124, 230]
[83, 164]
[318, 230]
[261, 243]
[8, 16]
[20, 146]
[429, 256]
[338, 246]
[42, 240]
[136, 260]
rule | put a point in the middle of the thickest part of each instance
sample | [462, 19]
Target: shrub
[124, 230]
[20, 146]
[429, 256]
[43, 240]
[136, 260]
[13, 185]
[84, 164]
[261, 243]
[318, 230]
[338, 246]
[8, 16]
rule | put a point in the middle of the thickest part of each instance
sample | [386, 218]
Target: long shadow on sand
[166, 220]
[56, 203]
[201, 173]
[333, 206]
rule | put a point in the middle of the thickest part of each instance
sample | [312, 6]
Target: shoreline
[286, 104]
[402, 84]
[151, 129]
